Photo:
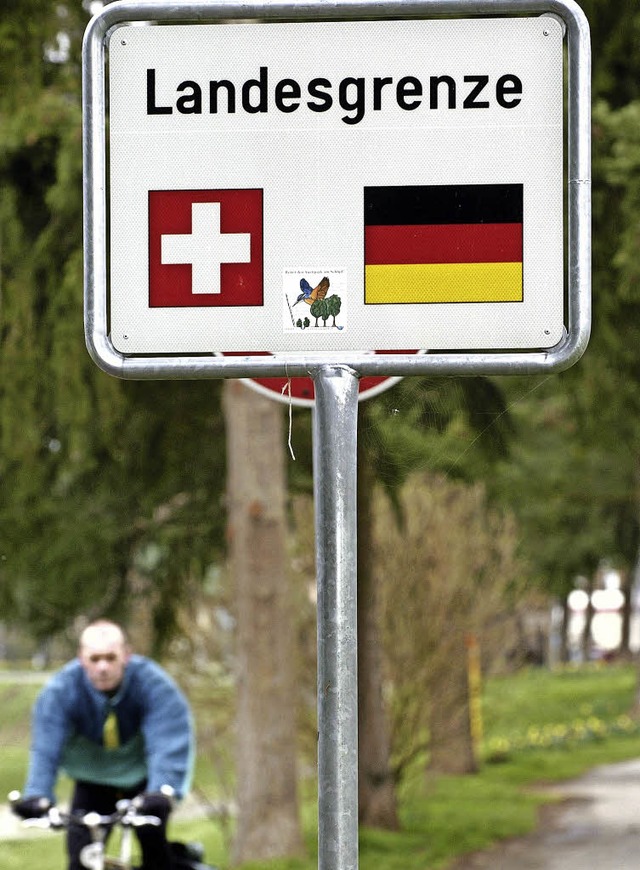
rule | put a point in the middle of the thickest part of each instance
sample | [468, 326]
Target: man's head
[104, 653]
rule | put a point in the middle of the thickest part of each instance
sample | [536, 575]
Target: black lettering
[407, 87]
[470, 101]
[357, 105]
[434, 83]
[505, 86]
[152, 108]
[378, 84]
[261, 84]
[353, 94]
[214, 87]
[287, 89]
[326, 100]
[191, 103]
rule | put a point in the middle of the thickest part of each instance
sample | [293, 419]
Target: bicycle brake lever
[42, 822]
[53, 819]
[140, 821]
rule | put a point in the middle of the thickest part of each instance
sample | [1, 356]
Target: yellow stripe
[444, 282]
[110, 734]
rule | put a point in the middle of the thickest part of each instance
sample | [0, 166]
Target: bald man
[118, 725]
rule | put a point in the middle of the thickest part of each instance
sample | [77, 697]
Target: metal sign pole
[335, 439]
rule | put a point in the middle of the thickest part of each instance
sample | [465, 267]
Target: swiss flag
[205, 248]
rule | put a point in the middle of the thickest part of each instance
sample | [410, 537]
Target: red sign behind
[300, 391]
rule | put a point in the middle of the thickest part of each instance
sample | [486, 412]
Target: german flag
[443, 243]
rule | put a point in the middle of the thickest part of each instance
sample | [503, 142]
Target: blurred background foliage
[107, 483]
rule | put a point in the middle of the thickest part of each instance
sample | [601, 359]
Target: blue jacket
[156, 742]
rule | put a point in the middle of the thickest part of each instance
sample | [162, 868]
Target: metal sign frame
[578, 195]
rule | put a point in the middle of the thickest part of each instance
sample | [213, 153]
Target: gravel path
[595, 827]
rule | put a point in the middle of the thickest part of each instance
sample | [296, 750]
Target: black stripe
[443, 204]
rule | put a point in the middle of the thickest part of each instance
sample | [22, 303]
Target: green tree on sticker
[334, 304]
[318, 310]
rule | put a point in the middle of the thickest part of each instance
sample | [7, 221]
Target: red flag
[205, 248]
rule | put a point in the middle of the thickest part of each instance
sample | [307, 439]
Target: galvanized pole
[335, 439]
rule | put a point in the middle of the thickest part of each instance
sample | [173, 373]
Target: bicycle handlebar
[126, 814]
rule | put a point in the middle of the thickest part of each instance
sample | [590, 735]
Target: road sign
[298, 179]
[339, 198]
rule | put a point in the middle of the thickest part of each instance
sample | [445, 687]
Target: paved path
[597, 827]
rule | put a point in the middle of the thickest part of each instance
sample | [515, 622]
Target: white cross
[206, 248]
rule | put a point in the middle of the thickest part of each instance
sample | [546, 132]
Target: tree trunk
[450, 739]
[586, 640]
[626, 588]
[634, 581]
[566, 616]
[268, 815]
[376, 786]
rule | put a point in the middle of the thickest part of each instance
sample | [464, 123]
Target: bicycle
[94, 856]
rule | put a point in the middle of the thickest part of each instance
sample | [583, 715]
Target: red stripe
[443, 243]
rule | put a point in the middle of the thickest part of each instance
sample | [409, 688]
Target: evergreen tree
[574, 478]
[107, 487]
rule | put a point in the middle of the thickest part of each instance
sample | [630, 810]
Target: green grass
[547, 726]
[15, 708]
[537, 697]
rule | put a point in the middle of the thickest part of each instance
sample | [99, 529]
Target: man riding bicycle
[118, 725]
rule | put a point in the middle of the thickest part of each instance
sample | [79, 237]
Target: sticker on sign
[338, 193]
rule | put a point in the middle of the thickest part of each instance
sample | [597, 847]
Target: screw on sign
[299, 391]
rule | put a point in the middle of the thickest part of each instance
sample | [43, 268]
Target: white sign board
[336, 186]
